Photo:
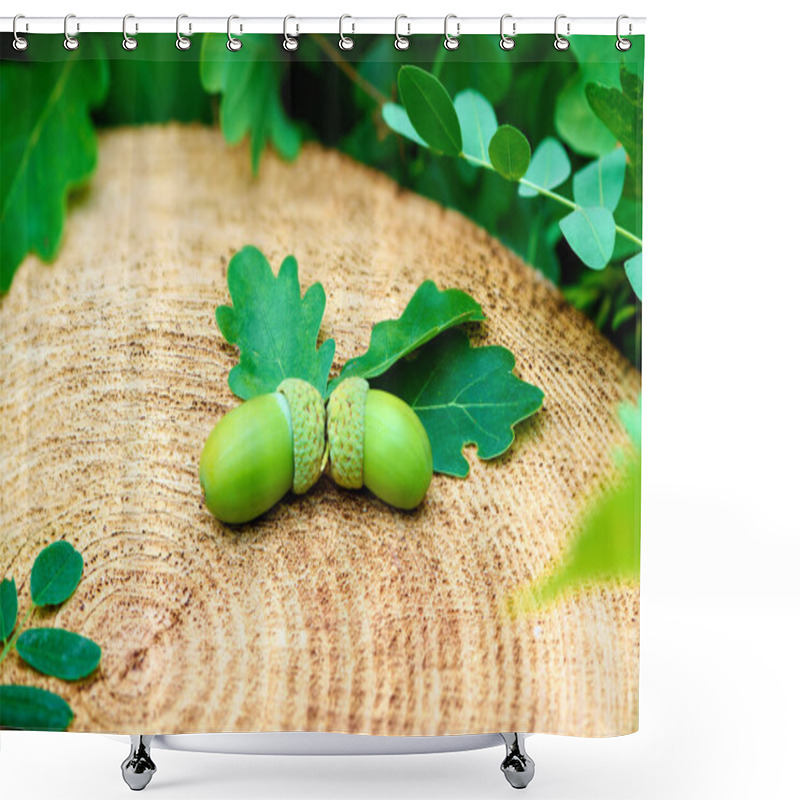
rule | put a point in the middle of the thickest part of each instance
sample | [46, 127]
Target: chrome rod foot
[138, 768]
[517, 766]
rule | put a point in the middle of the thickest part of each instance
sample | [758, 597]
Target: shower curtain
[320, 380]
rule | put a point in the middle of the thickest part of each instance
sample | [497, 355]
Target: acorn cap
[308, 431]
[346, 407]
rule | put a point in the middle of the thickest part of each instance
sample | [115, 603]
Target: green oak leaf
[600, 183]
[60, 653]
[396, 117]
[428, 313]
[509, 152]
[274, 327]
[254, 71]
[463, 395]
[55, 574]
[549, 167]
[48, 146]
[590, 232]
[478, 124]
[621, 111]
[32, 709]
[8, 608]
[430, 109]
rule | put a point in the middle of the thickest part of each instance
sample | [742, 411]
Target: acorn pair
[281, 441]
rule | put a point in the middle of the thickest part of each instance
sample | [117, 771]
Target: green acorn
[376, 440]
[264, 447]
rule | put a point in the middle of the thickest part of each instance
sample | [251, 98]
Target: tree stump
[333, 612]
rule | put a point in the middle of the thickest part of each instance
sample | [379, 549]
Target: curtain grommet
[70, 42]
[20, 43]
[128, 42]
[182, 42]
[623, 44]
[401, 42]
[346, 42]
[507, 42]
[451, 42]
[290, 43]
[234, 44]
[560, 42]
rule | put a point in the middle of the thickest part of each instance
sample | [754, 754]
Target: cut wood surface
[333, 612]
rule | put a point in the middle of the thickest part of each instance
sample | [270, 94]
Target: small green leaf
[430, 109]
[607, 546]
[549, 167]
[478, 124]
[600, 183]
[55, 574]
[428, 313]
[274, 327]
[591, 233]
[396, 117]
[620, 110]
[59, 653]
[8, 608]
[31, 709]
[48, 146]
[255, 71]
[463, 395]
[633, 269]
[622, 315]
[509, 152]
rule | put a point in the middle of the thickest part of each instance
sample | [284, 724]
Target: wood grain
[333, 612]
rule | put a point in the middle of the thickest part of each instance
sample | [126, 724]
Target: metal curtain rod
[459, 26]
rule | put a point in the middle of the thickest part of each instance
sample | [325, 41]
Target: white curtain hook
[182, 42]
[451, 42]
[70, 42]
[234, 44]
[507, 42]
[560, 42]
[290, 43]
[401, 42]
[20, 42]
[622, 43]
[128, 42]
[346, 42]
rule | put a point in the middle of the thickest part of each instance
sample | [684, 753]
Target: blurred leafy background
[584, 104]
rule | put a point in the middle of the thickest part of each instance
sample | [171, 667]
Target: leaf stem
[13, 640]
[565, 201]
[376, 94]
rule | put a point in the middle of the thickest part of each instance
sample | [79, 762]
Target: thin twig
[376, 94]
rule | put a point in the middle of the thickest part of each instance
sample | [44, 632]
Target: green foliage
[396, 117]
[249, 81]
[8, 608]
[33, 709]
[590, 233]
[48, 146]
[600, 182]
[463, 395]
[273, 325]
[478, 124]
[55, 574]
[633, 269]
[509, 152]
[430, 109]
[155, 83]
[59, 653]
[607, 545]
[575, 121]
[548, 169]
[428, 313]
[52, 651]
